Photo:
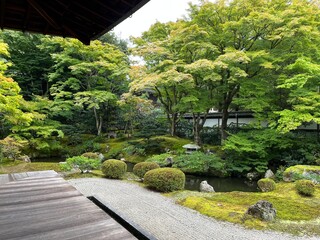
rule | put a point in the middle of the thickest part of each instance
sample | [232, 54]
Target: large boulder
[262, 210]
[269, 174]
[206, 187]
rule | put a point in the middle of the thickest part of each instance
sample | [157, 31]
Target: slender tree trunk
[198, 122]
[224, 124]
[98, 121]
[100, 125]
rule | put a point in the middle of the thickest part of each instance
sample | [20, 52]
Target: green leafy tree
[11, 102]
[30, 63]
[98, 101]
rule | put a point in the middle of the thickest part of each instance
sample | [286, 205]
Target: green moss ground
[295, 214]
[18, 166]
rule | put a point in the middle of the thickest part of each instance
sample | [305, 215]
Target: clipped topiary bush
[165, 179]
[90, 155]
[266, 185]
[305, 187]
[113, 168]
[140, 169]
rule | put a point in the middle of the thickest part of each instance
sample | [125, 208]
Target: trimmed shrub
[165, 179]
[305, 187]
[266, 185]
[90, 155]
[113, 168]
[140, 169]
[82, 163]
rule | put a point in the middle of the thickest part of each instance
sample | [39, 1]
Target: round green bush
[266, 185]
[113, 168]
[165, 179]
[140, 169]
[90, 155]
[305, 187]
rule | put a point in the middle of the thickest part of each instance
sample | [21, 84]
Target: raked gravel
[163, 218]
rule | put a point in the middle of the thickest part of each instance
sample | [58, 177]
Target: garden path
[164, 219]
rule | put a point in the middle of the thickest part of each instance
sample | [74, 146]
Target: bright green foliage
[231, 55]
[252, 150]
[113, 168]
[165, 179]
[11, 102]
[199, 163]
[11, 147]
[305, 187]
[86, 78]
[84, 164]
[266, 185]
[90, 155]
[140, 169]
[160, 159]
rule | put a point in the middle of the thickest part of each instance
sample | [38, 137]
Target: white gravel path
[164, 219]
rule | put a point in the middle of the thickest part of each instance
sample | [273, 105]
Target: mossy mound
[302, 172]
[305, 187]
[266, 185]
[165, 179]
[140, 169]
[90, 155]
[295, 213]
[113, 168]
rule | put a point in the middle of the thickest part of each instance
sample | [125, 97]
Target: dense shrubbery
[165, 179]
[82, 163]
[266, 185]
[160, 159]
[113, 168]
[200, 163]
[140, 169]
[256, 150]
[305, 187]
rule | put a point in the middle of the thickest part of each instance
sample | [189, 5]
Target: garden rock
[262, 210]
[269, 174]
[101, 157]
[252, 176]
[169, 162]
[206, 187]
[24, 158]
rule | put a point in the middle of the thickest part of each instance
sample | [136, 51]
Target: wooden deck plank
[33, 206]
[83, 232]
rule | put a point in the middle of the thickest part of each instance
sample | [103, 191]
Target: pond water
[219, 184]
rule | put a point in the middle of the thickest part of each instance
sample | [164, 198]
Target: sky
[154, 10]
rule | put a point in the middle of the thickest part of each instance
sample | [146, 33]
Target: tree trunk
[100, 125]
[173, 124]
[98, 121]
[224, 124]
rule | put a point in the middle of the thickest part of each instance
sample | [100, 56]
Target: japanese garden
[94, 111]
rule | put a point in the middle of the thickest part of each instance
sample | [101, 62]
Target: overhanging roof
[82, 19]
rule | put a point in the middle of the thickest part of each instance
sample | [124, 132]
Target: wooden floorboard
[41, 205]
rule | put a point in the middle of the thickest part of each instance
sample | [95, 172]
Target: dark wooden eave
[81, 19]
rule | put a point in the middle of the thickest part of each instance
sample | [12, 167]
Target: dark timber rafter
[82, 19]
